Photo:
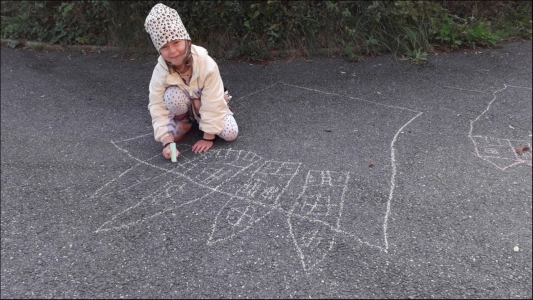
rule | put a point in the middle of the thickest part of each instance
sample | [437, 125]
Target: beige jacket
[205, 84]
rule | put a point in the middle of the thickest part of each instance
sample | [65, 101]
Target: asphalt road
[377, 179]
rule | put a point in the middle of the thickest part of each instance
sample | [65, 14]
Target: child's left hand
[202, 146]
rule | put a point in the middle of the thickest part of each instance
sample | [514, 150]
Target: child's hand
[202, 146]
[167, 154]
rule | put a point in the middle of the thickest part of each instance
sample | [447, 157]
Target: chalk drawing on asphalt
[247, 187]
[493, 146]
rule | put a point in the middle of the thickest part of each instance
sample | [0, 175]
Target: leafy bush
[253, 29]
[57, 22]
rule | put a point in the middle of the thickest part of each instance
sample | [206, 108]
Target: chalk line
[349, 97]
[393, 182]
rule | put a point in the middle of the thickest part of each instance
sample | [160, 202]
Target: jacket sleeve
[214, 108]
[156, 106]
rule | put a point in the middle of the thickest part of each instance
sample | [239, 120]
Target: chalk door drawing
[248, 187]
[490, 131]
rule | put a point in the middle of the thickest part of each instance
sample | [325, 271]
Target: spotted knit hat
[164, 25]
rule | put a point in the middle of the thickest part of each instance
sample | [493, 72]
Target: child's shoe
[181, 129]
[227, 96]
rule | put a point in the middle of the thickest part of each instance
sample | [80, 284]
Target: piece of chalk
[173, 152]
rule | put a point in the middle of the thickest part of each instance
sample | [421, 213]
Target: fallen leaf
[520, 151]
[371, 165]
[328, 130]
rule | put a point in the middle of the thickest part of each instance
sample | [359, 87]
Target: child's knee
[172, 92]
[231, 130]
[230, 134]
[176, 100]
[231, 137]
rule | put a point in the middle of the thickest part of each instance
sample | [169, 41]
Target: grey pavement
[377, 179]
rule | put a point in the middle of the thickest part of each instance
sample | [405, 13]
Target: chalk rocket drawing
[493, 127]
[247, 187]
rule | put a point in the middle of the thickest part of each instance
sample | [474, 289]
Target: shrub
[252, 29]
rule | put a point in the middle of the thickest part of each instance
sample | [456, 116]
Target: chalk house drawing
[249, 186]
[491, 141]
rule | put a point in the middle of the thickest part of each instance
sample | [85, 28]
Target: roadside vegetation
[263, 30]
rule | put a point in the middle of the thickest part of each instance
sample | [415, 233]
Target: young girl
[185, 80]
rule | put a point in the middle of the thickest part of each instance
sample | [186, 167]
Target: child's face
[174, 51]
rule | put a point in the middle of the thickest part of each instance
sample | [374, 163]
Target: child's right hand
[167, 154]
